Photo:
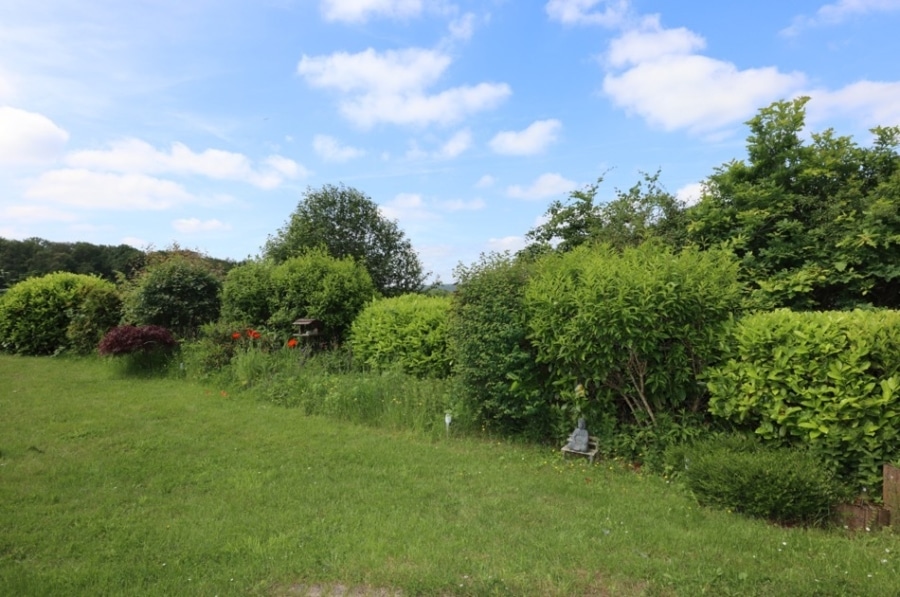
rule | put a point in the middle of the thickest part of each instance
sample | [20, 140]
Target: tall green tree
[815, 224]
[347, 223]
[644, 211]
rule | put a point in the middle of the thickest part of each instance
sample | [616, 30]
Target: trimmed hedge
[787, 486]
[408, 331]
[60, 311]
[828, 380]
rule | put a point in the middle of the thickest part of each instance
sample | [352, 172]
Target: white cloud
[610, 13]
[463, 27]
[190, 225]
[29, 138]
[651, 42]
[672, 87]
[407, 207]
[7, 89]
[356, 11]
[691, 193]
[546, 185]
[460, 205]
[507, 243]
[136, 156]
[532, 140]
[331, 150]
[390, 87]
[872, 103]
[457, 144]
[485, 181]
[94, 190]
[36, 213]
[838, 12]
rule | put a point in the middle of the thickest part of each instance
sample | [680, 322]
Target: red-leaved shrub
[127, 339]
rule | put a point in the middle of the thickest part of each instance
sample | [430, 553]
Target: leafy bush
[317, 285]
[630, 329]
[98, 308]
[139, 350]
[408, 331]
[828, 380]
[787, 486]
[247, 293]
[127, 339]
[56, 312]
[500, 381]
[179, 292]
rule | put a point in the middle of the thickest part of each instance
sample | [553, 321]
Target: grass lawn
[112, 486]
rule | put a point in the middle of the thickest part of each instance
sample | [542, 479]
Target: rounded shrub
[247, 293]
[59, 311]
[408, 331]
[787, 486]
[322, 287]
[178, 293]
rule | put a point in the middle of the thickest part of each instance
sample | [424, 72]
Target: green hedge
[501, 382]
[625, 334]
[787, 486]
[60, 311]
[408, 331]
[829, 380]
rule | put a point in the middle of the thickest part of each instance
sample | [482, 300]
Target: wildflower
[253, 334]
[292, 343]
[236, 336]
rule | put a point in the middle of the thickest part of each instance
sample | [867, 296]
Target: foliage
[35, 257]
[649, 446]
[815, 225]
[56, 312]
[177, 290]
[630, 329]
[126, 339]
[645, 211]
[139, 351]
[788, 486]
[500, 380]
[829, 380]
[408, 331]
[97, 308]
[321, 287]
[247, 291]
[347, 223]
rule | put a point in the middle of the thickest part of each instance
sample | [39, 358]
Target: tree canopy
[644, 211]
[347, 223]
[815, 224]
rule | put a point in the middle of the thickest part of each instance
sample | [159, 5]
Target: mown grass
[111, 486]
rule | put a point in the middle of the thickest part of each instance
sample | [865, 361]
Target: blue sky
[203, 122]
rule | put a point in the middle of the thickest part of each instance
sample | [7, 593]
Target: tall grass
[113, 486]
[330, 384]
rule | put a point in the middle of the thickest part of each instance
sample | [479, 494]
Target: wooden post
[891, 493]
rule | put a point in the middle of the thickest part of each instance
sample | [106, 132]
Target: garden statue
[578, 441]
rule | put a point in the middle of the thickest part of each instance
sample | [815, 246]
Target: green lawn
[111, 486]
